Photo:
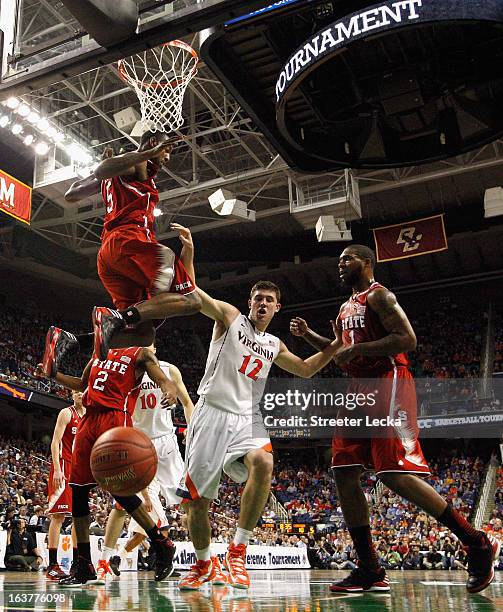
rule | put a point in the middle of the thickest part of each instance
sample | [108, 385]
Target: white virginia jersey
[149, 415]
[237, 367]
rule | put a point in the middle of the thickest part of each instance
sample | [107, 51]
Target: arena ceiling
[223, 148]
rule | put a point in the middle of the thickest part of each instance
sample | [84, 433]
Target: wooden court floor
[275, 591]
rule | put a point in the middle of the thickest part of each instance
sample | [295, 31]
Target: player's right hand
[40, 372]
[168, 394]
[298, 327]
[58, 479]
[184, 234]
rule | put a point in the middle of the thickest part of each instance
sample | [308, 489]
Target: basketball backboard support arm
[19, 80]
[8, 31]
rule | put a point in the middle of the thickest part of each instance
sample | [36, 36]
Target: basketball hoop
[160, 77]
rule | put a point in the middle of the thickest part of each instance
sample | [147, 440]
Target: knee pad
[130, 503]
[80, 500]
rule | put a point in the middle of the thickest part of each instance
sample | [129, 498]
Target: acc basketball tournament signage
[376, 20]
[410, 239]
[15, 198]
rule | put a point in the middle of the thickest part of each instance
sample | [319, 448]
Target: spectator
[432, 559]
[21, 549]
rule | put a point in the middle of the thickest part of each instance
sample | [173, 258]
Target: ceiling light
[24, 110]
[41, 148]
[17, 128]
[28, 139]
[78, 154]
[33, 117]
[43, 125]
[59, 137]
[51, 131]
[13, 103]
[157, 212]
[4, 120]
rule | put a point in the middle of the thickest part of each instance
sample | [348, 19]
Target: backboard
[41, 43]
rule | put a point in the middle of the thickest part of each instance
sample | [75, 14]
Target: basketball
[123, 461]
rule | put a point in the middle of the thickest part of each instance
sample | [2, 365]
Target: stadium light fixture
[17, 128]
[13, 103]
[41, 148]
[4, 120]
[28, 139]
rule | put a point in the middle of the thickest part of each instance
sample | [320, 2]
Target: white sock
[123, 553]
[204, 554]
[107, 553]
[242, 536]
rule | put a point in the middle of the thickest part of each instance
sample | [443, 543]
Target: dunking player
[226, 431]
[144, 278]
[59, 494]
[110, 390]
[154, 419]
[373, 334]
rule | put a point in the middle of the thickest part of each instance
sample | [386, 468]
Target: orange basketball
[123, 461]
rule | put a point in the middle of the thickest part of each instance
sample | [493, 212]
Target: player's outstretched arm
[70, 382]
[148, 362]
[125, 164]
[187, 254]
[219, 311]
[181, 392]
[84, 188]
[300, 328]
[64, 418]
[307, 368]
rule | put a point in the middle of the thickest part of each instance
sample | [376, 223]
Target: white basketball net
[160, 78]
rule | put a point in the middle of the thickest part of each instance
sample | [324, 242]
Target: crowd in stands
[405, 536]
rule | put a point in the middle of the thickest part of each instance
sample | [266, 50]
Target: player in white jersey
[226, 431]
[156, 421]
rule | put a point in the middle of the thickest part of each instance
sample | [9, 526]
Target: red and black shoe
[362, 580]
[106, 321]
[164, 553]
[84, 574]
[481, 561]
[58, 343]
[55, 573]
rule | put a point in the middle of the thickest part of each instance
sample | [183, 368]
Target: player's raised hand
[184, 234]
[298, 326]
[40, 372]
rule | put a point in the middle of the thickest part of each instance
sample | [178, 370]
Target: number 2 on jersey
[253, 374]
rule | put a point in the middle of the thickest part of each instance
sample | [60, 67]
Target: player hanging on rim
[110, 390]
[59, 493]
[144, 278]
[153, 418]
[227, 431]
[373, 334]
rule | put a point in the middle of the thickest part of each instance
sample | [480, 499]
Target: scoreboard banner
[410, 239]
[15, 198]
[24, 394]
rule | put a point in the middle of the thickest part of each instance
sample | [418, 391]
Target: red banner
[15, 198]
[410, 239]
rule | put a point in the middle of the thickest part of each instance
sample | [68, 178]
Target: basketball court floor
[278, 591]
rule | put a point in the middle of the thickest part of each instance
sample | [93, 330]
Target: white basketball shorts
[218, 440]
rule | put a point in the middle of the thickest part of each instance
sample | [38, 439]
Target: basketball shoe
[103, 572]
[55, 573]
[203, 572]
[235, 560]
[58, 343]
[115, 563]
[164, 553]
[361, 579]
[106, 321]
[481, 564]
[84, 574]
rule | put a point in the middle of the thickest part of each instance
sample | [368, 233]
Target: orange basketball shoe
[235, 560]
[218, 578]
[103, 572]
[199, 574]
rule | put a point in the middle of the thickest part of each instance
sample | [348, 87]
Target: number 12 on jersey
[254, 371]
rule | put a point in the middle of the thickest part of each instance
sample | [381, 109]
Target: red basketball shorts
[134, 267]
[60, 500]
[392, 445]
[90, 429]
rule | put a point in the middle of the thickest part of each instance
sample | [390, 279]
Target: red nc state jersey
[112, 383]
[69, 435]
[129, 201]
[361, 324]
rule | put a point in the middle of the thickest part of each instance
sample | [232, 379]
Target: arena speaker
[107, 22]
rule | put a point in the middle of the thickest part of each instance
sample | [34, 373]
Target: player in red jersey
[110, 389]
[374, 335]
[59, 494]
[144, 278]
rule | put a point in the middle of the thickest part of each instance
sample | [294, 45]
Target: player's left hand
[346, 354]
[184, 234]
[40, 372]
[148, 503]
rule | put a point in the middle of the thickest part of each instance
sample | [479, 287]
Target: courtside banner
[410, 239]
[15, 198]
